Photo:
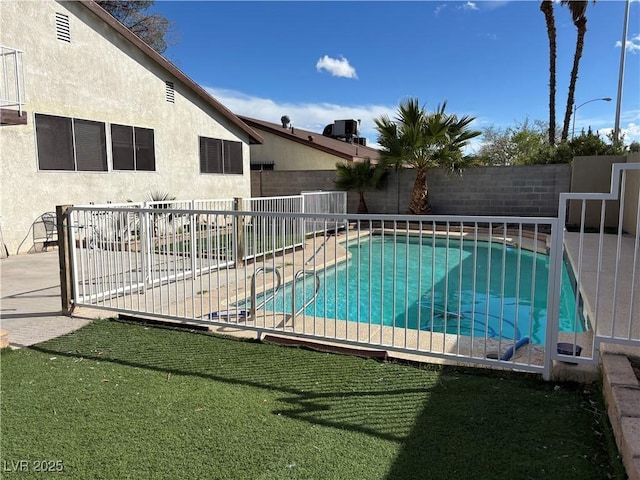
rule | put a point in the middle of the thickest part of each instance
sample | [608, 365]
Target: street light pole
[573, 128]
[623, 51]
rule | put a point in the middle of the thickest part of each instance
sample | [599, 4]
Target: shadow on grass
[448, 423]
[348, 397]
[494, 430]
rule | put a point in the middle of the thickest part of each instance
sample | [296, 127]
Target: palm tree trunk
[547, 8]
[362, 205]
[581, 25]
[420, 196]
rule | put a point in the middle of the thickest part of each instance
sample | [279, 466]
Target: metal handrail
[254, 306]
[12, 79]
[299, 274]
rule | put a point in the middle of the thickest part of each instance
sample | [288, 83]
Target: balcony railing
[11, 80]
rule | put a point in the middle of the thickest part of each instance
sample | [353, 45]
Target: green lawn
[115, 400]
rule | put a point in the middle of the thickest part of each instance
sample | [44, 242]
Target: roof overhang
[284, 133]
[254, 137]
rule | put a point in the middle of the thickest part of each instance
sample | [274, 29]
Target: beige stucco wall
[593, 175]
[632, 196]
[289, 155]
[102, 77]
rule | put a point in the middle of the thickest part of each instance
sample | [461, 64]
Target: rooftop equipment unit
[344, 129]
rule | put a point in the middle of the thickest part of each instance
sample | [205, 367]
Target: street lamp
[573, 128]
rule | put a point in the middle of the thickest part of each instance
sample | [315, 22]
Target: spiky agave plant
[158, 196]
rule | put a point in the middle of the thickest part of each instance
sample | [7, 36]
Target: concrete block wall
[531, 190]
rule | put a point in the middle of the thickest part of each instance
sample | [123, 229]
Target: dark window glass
[122, 147]
[132, 148]
[220, 156]
[210, 155]
[232, 157]
[91, 146]
[54, 137]
[145, 153]
[261, 166]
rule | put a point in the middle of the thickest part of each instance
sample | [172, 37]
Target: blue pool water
[405, 283]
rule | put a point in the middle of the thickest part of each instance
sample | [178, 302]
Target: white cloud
[307, 116]
[632, 45]
[629, 127]
[315, 116]
[338, 67]
[631, 132]
[493, 4]
[470, 6]
[439, 8]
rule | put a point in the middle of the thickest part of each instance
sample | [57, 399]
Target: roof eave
[302, 141]
[254, 137]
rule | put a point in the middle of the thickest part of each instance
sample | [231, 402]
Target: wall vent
[170, 92]
[63, 32]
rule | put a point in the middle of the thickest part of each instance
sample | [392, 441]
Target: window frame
[226, 158]
[135, 147]
[40, 119]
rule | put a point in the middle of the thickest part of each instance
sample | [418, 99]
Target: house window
[264, 165]
[220, 156]
[132, 148]
[232, 160]
[70, 144]
[63, 31]
[91, 146]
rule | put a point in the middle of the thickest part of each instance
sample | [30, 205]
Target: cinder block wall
[531, 190]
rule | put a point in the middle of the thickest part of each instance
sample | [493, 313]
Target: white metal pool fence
[604, 253]
[238, 268]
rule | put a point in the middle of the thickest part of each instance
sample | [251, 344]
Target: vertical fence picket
[146, 251]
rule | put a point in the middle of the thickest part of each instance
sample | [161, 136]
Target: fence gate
[602, 247]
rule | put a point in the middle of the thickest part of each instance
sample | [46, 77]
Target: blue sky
[321, 61]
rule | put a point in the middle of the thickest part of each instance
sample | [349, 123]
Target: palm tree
[547, 8]
[360, 177]
[578, 10]
[422, 140]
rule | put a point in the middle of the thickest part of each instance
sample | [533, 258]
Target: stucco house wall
[592, 174]
[100, 75]
[288, 148]
[288, 155]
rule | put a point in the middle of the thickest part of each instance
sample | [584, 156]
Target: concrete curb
[622, 396]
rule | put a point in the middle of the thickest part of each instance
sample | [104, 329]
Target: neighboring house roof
[339, 148]
[97, 10]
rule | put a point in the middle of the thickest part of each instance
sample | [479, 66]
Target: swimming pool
[429, 283]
